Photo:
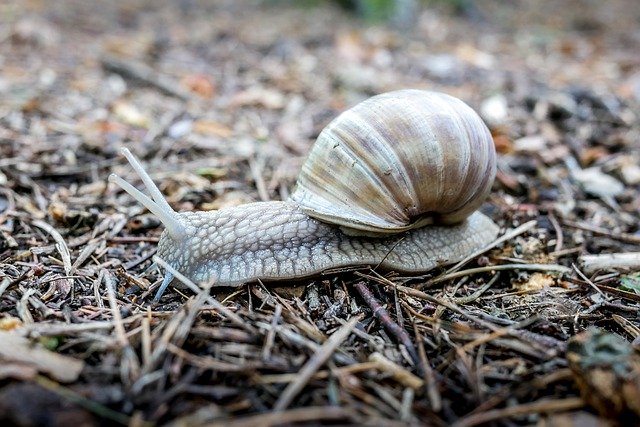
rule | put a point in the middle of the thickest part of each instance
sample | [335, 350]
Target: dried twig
[387, 322]
[623, 237]
[292, 416]
[268, 345]
[507, 236]
[400, 374]
[130, 366]
[234, 318]
[478, 293]
[541, 406]
[534, 267]
[559, 236]
[314, 363]
[144, 73]
[586, 279]
[626, 260]
[433, 393]
[61, 245]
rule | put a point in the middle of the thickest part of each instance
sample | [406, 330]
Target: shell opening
[158, 205]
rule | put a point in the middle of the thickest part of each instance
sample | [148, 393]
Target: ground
[221, 101]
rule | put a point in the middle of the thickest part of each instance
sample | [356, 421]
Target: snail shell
[397, 161]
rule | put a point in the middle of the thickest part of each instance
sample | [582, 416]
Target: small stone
[443, 67]
[530, 144]
[180, 129]
[630, 173]
[494, 110]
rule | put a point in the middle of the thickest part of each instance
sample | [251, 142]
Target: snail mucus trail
[394, 182]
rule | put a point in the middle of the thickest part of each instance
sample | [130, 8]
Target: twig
[234, 318]
[629, 327]
[130, 366]
[4, 285]
[293, 416]
[271, 335]
[387, 322]
[144, 73]
[626, 260]
[209, 362]
[175, 332]
[451, 306]
[623, 237]
[507, 236]
[294, 338]
[559, 236]
[540, 406]
[313, 364]
[619, 293]
[433, 393]
[474, 296]
[586, 279]
[408, 396]
[115, 311]
[534, 267]
[61, 245]
[508, 330]
[52, 329]
[400, 374]
[345, 370]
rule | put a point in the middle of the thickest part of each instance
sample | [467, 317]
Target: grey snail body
[393, 182]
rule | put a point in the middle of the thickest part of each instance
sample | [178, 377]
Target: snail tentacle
[158, 205]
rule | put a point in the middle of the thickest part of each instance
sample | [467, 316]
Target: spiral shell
[397, 161]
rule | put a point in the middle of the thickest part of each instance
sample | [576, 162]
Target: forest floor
[221, 101]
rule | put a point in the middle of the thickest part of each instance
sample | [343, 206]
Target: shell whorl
[397, 161]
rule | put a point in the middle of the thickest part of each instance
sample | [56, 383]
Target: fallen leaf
[630, 283]
[10, 323]
[537, 281]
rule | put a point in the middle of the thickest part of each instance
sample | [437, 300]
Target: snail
[393, 182]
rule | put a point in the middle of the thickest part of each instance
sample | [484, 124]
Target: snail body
[393, 182]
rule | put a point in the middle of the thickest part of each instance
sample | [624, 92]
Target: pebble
[494, 110]
[530, 144]
[630, 174]
[180, 129]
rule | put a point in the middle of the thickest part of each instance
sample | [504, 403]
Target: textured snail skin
[278, 241]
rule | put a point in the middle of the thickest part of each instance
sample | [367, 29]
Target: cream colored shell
[397, 161]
